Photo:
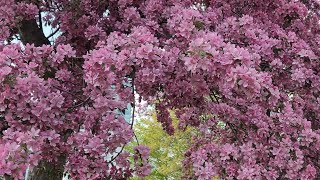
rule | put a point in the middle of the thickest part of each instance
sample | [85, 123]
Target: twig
[53, 33]
[40, 21]
[114, 157]
[215, 97]
[133, 105]
[60, 89]
[80, 104]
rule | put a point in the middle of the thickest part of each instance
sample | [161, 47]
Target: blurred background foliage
[166, 152]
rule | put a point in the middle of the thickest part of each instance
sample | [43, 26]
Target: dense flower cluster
[246, 73]
[143, 168]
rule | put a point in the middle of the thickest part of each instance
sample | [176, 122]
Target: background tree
[166, 152]
[257, 61]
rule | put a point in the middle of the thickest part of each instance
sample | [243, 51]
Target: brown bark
[48, 170]
[30, 32]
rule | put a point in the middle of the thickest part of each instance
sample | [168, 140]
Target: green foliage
[166, 152]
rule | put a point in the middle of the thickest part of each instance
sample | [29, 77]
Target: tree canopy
[244, 73]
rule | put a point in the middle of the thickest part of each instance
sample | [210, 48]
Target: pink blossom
[245, 76]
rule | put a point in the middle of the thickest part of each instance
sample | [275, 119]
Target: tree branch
[40, 18]
[53, 33]
[30, 32]
[133, 104]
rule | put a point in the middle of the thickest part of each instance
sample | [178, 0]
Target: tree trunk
[48, 170]
[31, 33]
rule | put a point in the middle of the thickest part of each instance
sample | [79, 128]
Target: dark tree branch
[113, 158]
[80, 104]
[52, 34]
[49, 170]
[133, 104]
[40, 18]
[30, 32]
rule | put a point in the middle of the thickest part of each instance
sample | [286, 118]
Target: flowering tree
[245, 72]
